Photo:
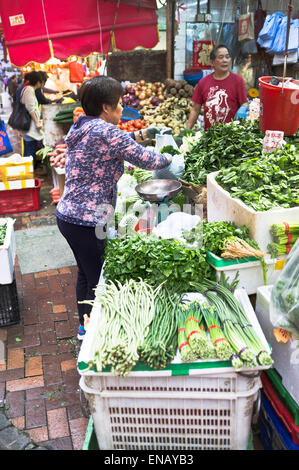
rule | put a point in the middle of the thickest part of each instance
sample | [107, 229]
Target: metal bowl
[158, 190]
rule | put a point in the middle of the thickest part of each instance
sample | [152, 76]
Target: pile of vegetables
[221, 146]
[155, 261]
[136, 322]
[132, 125]
[234, 327]
[3, 228]
[173, 112]
[66, 115]
[178, 88]
[143, 94]
[265, 183]
[78, 111]
[284, 236]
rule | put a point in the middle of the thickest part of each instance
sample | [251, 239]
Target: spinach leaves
[265, 183]
[222, 146]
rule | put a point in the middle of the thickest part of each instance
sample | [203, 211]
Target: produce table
[197, 405]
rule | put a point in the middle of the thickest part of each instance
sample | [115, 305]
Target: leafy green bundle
[3, 229]
[265, 183]
[222, 146]
[155, 261]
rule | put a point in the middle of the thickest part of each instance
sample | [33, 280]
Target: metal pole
[290, 7]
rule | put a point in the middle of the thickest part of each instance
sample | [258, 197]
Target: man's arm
[194, 113]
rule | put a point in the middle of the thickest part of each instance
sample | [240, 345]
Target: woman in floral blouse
[94, 162]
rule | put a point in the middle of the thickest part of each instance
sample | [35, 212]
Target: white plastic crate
[7, 253]
[222, 207]
[201, 405]
[171, 412]
[250, 274]
[285, 355]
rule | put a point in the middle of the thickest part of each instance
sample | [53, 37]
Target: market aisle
[39, 381]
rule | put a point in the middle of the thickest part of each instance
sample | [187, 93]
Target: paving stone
[24, 384]
[57, 423]
[15, 358]
[12, 439]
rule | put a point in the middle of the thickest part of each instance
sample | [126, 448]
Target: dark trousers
[30, 149]
[88, 251]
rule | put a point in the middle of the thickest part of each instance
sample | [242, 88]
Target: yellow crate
[14, 168]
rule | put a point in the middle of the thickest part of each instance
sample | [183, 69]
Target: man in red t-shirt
[222, 93]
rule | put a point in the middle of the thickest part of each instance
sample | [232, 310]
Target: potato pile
[178, 88]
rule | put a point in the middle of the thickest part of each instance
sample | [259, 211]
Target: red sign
[201, 54]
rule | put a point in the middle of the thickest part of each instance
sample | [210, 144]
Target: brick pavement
[39, 382]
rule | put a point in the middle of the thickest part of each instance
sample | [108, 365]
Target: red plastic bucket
[279, 111]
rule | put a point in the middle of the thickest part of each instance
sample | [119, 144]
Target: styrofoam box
[8, 253]
[18, 184]
[222, 207]
[285, 355]
[251, 275]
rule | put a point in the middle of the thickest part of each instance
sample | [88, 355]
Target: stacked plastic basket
[9, 305]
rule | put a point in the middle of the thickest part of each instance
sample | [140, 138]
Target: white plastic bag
[284, 304]
[268, 32]
[175, 225]
[177, 167]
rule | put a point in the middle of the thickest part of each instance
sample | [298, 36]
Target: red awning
[76, 27]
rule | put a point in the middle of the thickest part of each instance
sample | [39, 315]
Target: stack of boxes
[279, 412]
[19, 190]
[9, 306]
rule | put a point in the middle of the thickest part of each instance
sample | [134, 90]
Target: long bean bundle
[160, 344]
[127, 311]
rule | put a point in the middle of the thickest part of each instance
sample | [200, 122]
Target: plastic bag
[5, 145]
[175, 225]
[279, 43]
[177, 167]
[246, 27]
[268, 32]
[284, 304]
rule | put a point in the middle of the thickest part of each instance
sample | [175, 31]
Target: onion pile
[143, 94]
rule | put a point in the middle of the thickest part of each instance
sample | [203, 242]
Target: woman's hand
[57, 157]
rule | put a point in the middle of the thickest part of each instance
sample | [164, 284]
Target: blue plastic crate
[273, 433]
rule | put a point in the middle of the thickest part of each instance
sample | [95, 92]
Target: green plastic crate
[221, 262]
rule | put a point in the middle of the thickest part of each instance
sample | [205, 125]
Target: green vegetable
[195, 332]
[169, 149]
[160, 344]
[223, 349]
[222, 146]
[186, 353]
[3, 229]
[155, 260]
[276, 249]
[265, 183]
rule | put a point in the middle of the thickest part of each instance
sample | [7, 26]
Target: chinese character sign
[201, 54]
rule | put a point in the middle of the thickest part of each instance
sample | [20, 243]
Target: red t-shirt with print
[221, 98]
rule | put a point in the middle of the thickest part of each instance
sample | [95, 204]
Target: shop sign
[201, 54]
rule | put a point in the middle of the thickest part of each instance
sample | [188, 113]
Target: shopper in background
[12, 87]
[32, 139]
[222, 93]
[94, 162]
[39, 92]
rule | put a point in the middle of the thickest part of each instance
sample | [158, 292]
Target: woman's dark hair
[44, 76]
[33, 78]
[98, 91]
[213, 52]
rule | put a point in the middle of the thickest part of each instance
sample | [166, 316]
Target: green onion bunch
[186, 353]
[223, 348]
[196, 334]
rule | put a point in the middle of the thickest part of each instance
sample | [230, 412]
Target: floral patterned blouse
[94, 163]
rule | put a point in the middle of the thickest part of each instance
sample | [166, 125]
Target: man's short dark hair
[97, 91]
[213, 52]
